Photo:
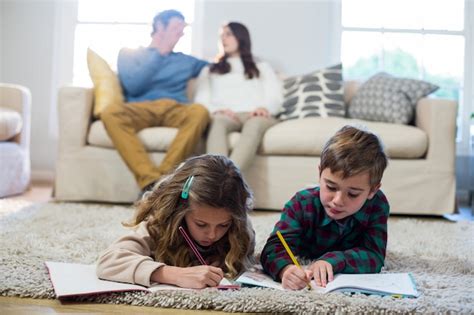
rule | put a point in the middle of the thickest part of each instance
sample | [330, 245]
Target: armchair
[15, 114]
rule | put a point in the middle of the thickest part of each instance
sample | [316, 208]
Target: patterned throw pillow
[386, 98]
[317, 94]
[107, 88]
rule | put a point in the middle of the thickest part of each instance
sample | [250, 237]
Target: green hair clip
[186, 187]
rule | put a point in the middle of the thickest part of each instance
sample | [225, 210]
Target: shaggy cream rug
[438, 253]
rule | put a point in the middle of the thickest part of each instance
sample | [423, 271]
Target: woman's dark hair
[242, 35]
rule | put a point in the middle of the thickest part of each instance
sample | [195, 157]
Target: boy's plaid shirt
[312, 234]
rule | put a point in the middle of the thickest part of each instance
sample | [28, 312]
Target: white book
[395, 284]
[76, 279]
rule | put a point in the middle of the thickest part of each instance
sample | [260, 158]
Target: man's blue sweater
[146, 75]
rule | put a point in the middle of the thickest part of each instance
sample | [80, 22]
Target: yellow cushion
[107, 88]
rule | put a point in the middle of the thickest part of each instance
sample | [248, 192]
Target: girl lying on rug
[342, 224]
[210, 200]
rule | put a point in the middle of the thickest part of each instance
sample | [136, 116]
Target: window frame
[466, 89]
[76, 79]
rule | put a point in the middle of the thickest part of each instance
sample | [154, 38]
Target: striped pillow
[317, 94]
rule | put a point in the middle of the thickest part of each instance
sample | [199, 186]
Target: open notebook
[395, 284]
[76, 279]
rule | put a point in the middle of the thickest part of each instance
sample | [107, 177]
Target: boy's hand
[322, 272]
[295, 278]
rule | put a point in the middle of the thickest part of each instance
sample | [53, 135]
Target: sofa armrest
[75, 114]
[437, 117]
[18, 98]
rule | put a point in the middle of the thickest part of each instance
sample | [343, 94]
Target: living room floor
[42, 192]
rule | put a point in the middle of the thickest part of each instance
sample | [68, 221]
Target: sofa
[419, 180]
[15, 116]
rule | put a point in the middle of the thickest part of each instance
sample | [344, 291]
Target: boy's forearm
[354, 260]
[336, 259]
[273, 259]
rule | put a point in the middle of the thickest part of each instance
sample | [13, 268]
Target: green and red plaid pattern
[312, 234]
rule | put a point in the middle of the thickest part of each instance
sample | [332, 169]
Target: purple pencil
[191, 244]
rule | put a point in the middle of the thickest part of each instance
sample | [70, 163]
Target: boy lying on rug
[210, 200]
[342, 224]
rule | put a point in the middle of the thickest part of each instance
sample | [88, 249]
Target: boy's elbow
[263, 261]
[378, 264]
[378, 268]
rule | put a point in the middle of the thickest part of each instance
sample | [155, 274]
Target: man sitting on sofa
[154, 80]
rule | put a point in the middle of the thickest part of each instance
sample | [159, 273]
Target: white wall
[26, 58]
[294, 36]
[2, 36]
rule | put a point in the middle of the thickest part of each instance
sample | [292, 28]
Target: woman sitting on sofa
[242, 94]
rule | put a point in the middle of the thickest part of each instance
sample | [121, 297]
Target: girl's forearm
[165, 275]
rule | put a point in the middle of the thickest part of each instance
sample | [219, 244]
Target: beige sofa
[420, 178]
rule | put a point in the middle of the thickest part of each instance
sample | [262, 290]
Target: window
[420, 39]
[108, 25]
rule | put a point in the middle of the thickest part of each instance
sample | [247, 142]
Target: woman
[241, 94]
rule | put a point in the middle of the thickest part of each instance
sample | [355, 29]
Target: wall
[27, 40]
[295, 36]
[465, 150]
[2, 35]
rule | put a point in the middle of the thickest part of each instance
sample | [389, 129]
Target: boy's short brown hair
[353, 151]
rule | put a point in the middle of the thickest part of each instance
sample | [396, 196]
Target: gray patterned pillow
[386, 98]
[319, 94]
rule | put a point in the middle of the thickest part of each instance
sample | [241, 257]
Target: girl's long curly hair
[241, 33]
[217, 183]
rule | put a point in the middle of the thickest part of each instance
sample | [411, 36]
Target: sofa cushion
[308, 136]
[388, 99]
[155, 139]
[285, 138]
[107, 88]
[10, 123]
[319, 93]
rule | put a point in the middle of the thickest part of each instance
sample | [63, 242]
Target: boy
[342, 224]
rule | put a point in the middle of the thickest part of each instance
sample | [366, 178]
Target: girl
[241, 94]
[208, 197]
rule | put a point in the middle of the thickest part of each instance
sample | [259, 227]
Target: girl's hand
[215, 263]
[196, 277]
[261, 111]
[322, 272]
[295, 278]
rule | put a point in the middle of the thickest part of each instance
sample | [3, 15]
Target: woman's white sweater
[233, 90]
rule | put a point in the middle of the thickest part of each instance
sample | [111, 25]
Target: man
[154, 80]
